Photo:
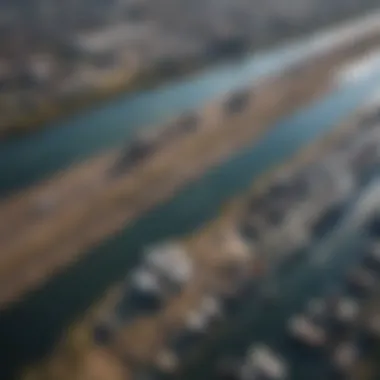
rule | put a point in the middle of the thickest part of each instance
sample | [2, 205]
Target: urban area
[183, 290]
[58, 56]
[201, 200]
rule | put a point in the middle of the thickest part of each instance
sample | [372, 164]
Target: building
[171, 263]
[262, 363]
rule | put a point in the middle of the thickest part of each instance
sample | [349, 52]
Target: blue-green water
[30, 158]
[31, 327]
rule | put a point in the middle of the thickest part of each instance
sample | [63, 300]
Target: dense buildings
[58, 55]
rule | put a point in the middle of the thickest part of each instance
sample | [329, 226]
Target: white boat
[304, 330]
[261, 362]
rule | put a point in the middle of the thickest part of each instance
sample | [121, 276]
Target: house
[171, 264]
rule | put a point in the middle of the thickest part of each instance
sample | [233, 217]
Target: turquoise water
[32, 326]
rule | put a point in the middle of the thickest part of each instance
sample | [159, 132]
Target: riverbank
[123, 81]
[59, 221]
[141, 341]
[126, 80]
[34, 326]
[29, 159]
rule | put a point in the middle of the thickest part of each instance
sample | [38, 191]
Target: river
[33, 157]
[30, 328]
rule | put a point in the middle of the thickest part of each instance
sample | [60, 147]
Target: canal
[25, 160]
[30, 328]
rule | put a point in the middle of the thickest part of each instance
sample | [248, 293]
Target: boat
[303, 330]
[263, 363]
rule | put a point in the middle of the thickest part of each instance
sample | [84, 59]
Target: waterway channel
[30, 158]
[30, 328]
